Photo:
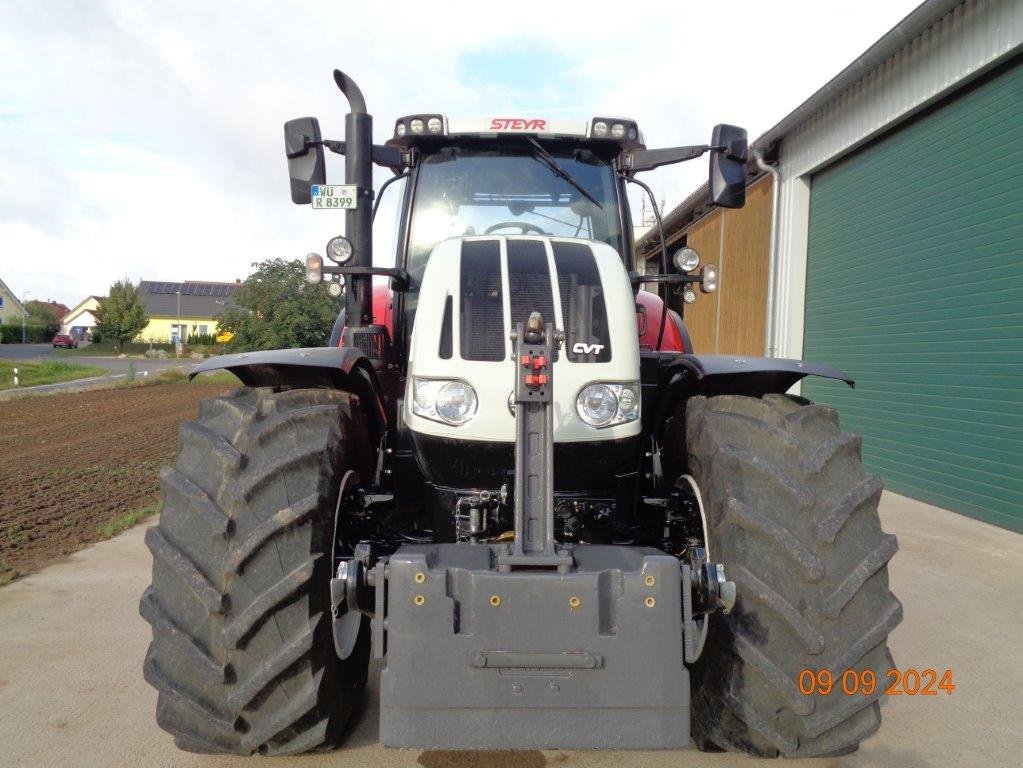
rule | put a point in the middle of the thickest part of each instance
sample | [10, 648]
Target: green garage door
[915, 287]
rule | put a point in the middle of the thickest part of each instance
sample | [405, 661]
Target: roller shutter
[915, 287]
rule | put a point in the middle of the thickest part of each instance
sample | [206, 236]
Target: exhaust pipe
[358, 222]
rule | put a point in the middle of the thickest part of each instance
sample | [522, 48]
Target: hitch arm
[534, 546]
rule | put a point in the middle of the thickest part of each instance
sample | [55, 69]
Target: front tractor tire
[242, 652]
[793, 518]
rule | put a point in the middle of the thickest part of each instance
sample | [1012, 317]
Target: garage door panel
[915, 287]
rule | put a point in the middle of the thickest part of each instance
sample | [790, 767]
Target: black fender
[753, 376]
[344, 368]
[684, 376]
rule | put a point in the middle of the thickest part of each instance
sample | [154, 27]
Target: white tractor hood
[473, 292]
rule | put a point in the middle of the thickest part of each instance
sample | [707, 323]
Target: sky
[144, 139]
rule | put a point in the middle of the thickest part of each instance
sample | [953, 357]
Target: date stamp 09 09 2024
[897, 682]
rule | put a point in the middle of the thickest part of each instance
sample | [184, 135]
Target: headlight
[600, 129]
[617, 130]
[416, 126]
[434, 124]
[339, 249]
[686, 259]
[604, 405]
[449, 402]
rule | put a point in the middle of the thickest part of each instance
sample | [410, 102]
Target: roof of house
[61, 309]
[198, 298]
[698, 203]
[79, 305]
[13, 295]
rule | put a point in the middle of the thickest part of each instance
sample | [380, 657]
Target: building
[182, 310]
[81, 318]
[58, 309]
[11, 309]
[895, 251]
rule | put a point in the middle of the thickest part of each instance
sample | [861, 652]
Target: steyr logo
[582, 348]
[517, 124]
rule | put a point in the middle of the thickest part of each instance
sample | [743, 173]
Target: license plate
[334, 196]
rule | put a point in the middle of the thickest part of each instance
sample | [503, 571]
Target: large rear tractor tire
[242, 653]
[793, 518]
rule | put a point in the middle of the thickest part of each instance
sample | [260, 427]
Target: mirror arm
[391, 157]
[647, 159]
[338, 147]
[388, 157]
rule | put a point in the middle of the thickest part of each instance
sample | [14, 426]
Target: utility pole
[177, 347]
[24, 314]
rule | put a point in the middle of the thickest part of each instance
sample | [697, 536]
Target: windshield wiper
[541, 155]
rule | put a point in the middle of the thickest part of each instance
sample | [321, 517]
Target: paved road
[25, 351]
[36, 352]
[72, 694]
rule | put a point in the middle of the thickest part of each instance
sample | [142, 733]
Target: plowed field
[71, 463]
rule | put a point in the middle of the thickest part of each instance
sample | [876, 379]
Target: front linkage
[569, 645]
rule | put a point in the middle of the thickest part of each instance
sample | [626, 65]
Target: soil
[71, 463]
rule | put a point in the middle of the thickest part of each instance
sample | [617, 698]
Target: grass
[46, 372]
[109, 349]
[178, 376]
[124, 522]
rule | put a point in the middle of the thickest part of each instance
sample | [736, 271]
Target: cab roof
[413, 130]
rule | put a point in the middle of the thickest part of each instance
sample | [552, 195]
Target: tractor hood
[473, 293]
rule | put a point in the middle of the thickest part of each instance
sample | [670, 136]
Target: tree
[278, 309]
[122, 316]
[44, 317]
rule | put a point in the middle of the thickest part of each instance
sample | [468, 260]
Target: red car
[63, 340]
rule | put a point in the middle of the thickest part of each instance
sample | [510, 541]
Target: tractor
[510, 483]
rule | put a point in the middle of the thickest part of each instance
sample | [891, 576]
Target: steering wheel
[524, 227]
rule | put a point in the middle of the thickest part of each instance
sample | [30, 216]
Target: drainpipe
[770, 342]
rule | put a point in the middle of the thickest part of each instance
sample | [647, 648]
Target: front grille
[371, 343]
[529, 281]
[481, 304]
[582, 304]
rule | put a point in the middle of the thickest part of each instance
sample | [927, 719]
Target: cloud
[144, 140]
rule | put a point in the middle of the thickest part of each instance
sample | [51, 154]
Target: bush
[34, 334]
[200, 340]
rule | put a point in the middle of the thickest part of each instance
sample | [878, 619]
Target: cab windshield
[508, 190]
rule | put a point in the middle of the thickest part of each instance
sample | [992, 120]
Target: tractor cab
[472, 182]
[500, 176]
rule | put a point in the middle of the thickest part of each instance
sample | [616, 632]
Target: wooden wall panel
[744, 266]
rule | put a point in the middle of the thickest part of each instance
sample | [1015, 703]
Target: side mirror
[306, 165]
[728, 166]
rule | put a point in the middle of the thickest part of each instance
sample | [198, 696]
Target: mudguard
[680, 377]
[753, 376]
[344, 368]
